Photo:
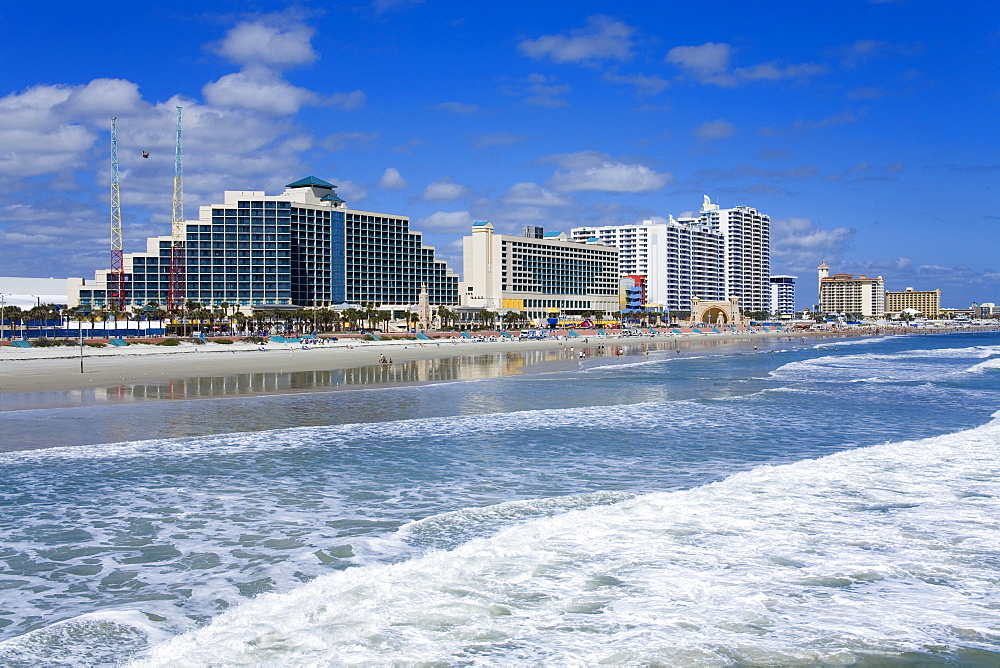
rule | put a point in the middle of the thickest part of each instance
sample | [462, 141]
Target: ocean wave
[855, 342]
[900, 366]
[878, 551]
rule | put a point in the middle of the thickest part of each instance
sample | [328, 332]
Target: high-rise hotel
[719, 254]
[845, 294]
[302, 248]
[747, 234]
[538, 274]
[679, 259]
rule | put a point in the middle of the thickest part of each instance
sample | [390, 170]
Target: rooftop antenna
[175, 295]
[116, 279]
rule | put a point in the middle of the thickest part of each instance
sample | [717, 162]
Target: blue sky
[867, 130]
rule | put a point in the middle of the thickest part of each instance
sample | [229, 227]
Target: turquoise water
[826, 504]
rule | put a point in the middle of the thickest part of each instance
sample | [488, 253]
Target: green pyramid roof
[310, 181]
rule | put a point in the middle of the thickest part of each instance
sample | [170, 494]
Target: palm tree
[446, 316]
[371, 313]
[94, 314]
[11, 313]
[353, 317]
[487, 318]
[511, 319]
[36, 313]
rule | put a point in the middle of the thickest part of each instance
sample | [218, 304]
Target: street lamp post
[80, 312]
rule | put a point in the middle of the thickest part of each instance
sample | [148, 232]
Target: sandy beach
[59, 368]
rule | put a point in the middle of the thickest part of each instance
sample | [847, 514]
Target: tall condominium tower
[747, 235]
[679, 259]
[303, 247]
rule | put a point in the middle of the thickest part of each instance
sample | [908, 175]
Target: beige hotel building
[843, 293]
[927, 302]
[538, 274]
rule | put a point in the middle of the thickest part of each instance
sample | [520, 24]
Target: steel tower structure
[116, 279]
[178, 255]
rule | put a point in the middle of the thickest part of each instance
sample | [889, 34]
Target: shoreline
[113, 371]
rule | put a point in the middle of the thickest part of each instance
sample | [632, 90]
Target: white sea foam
[876, 551]
[988, 365]
[902, 366]
[626, 365]
[854, 342]
[87, 638]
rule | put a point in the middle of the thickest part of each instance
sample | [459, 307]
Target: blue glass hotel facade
[302, 248]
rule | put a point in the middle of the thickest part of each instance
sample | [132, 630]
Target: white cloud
[705, 61]
[381, 6]
[593, 171]
[709, 64]
[644, 85]
[55, 138]
[445, 221]
[861, 51]
[541, 92]
[267, 43]
[498, 139]
[258, 89]
[52, 129]
[32, 153]
[392, 180]
[348, 101]
[263, 49]
[104, 98]
[444, 190]
[802, 125]
[774, 72]
[345, 140]
[602, 38]
[408, 147]
[351, 191]
[458, 108]
[532, 194]
[799, 244]
[867, 93]
[717, 129]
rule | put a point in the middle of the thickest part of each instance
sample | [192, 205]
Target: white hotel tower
[680, 259]
[748, 253]
[720, 254]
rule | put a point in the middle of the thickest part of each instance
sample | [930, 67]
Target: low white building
[27, 293]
